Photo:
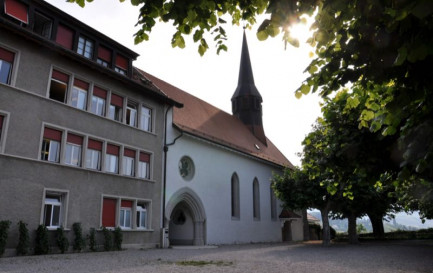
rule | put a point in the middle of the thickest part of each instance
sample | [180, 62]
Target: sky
[278, 72]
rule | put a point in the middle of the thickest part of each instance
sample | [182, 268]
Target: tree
[382, 47]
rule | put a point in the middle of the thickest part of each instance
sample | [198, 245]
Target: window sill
[236, 218]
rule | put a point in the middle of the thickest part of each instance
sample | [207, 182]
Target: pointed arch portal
[186, 218]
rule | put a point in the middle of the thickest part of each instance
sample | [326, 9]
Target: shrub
[79, 242]
[118, 238]
[108, 239]
[4, 230]
[23, 240]
[92, 239]
[41, 241]
[62, 241]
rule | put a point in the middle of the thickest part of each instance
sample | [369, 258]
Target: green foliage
[4, 231]
[62, 240]
[92, 239]
[79, 242]
[41, 241]
[108, 239]
[24, 239]
[360, 229]
[118, 238]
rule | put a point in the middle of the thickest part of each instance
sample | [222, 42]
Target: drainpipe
[164, 182]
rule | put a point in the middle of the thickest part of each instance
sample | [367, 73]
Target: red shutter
[129, 153]
[53, 134]
[126, 204]
[104, 54]
[99, 92]
[17, 9]
[122, 62]
[1, 122]
[116, 100]
[65, 36]
[94, 145]
[60, 76]
[71, 138]
[144, 157]
[7, 55]
[81, 84]
[112, 149]
[109, 212]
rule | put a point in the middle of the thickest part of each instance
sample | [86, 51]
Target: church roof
[206, 121]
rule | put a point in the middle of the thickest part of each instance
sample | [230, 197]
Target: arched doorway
[187, 218]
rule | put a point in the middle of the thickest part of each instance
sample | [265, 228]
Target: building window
[98, 101]
[17, 10]
[2, 121]
[121, 65]
[42, 25]
[141, 216]
[104, 56]
[125, 218]
[116, 107]
[93, 154]
[256, 200]
[51, 145]
[59, 86]
[273, 204]
[85, 47]
[131, 114]
[65, 36]
[146, 119]
[73, 150]
[109, 212]
[54, 211]
[235, 197]
[128, 162]
[112, 159]
[144, 166]
[79, 94]
[6, 62]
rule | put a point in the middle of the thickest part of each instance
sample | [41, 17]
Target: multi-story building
[81, 130]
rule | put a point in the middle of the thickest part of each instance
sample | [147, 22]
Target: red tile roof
[204, 120]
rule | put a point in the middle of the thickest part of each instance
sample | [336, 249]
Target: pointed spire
[247, 101]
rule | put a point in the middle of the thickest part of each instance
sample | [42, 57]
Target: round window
[186, 168]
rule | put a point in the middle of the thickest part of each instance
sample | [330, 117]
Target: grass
[204, 263]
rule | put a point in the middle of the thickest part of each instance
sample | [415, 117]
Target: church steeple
[247, 101]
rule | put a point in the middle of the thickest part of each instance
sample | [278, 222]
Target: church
[218, 170]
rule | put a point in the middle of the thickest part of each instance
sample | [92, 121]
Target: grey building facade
[81, 130]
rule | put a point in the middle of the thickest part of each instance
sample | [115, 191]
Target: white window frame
[98, 110]
[50, 153]
[140, 170]
[109, 161]
[144, 116]
[80, 95]
[75, 150]
[128, 164]
[87, 47]
[90, 157]
[3, 132]
[123, 222]
[63, 203]
[132, 120]
[141, 212]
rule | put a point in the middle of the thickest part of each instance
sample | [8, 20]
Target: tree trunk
[353, 237]
[377, 224]
[305, 225]
[326, 230]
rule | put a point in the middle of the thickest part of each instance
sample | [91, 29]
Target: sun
[301, 30]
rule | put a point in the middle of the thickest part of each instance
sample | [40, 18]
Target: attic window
[257, 146]
[17, 10]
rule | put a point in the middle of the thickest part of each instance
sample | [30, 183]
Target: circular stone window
[186, 168]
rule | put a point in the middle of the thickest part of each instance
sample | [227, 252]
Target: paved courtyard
[402, 256]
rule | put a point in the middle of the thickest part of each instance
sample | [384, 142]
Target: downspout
[166, 145]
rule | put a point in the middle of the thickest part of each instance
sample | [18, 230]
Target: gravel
[401, 256]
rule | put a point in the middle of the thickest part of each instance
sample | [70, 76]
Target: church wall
[213, 169]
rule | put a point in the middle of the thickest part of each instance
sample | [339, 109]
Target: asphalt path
[394, 256]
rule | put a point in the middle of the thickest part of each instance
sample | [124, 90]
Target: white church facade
[218, 170]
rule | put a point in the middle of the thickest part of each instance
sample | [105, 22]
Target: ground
[398, 256]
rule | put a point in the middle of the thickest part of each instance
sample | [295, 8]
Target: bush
[62, 241]
[92, 239]
[41, 241]
[118, 238]
[79, 242]
[4, 230]
[108, 239]
[23, 240]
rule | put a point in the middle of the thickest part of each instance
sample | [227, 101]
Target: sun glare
[301, 30]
